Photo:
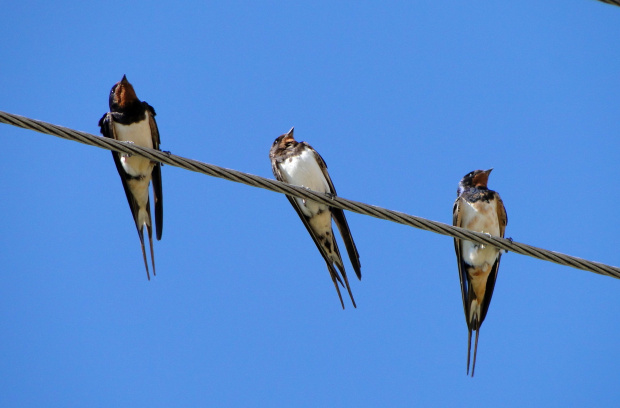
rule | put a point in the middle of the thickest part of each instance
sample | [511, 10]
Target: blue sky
[401, 99]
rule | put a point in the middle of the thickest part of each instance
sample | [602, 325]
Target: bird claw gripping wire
[505, 251]
[167, 153]
[123, 154]
[276, 186]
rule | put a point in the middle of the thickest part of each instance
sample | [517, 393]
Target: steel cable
[279, 187]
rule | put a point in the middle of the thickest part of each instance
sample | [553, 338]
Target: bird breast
[140, 134]
[480, 216]
[304, 170]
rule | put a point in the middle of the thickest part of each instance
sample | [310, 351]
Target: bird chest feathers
[480, 216]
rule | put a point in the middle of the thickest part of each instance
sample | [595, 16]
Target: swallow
[133, 121]
[299, 164]
[482, 210]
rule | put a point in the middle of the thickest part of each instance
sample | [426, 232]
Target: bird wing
[501, 214]
[156, 174]
[457, 222]
[107, 129]
[341, 221]
[305, 220]
[490, 286]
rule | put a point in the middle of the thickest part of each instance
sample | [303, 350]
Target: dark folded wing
[488, 294]
[107, 129]
[503, 221]
[457, 222]
[501, 215]
[304, 219]
[156, 174]
[347, 238]
[341, 221]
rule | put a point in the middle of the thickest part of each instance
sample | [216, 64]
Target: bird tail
[474, 326]
[144, 219]
[146, 265]
[346, 282]
[150, 233]
[336, 279]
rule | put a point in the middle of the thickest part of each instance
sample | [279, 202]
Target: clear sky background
[402, 99]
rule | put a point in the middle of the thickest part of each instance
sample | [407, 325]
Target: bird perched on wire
[133, 121]
[478, 209]
[299, 164]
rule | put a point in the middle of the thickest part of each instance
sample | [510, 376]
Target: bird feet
[123, 154]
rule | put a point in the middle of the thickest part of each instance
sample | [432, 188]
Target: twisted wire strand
[614, 2]
[279, 187]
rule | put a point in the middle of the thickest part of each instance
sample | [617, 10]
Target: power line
[279, 187]
[614, 2]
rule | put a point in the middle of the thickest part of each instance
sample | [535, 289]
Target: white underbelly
[140, 134]
[140, 190]
[478, 255]
[480, 217]
[322, 222]
[137, 166]
[304, 171]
